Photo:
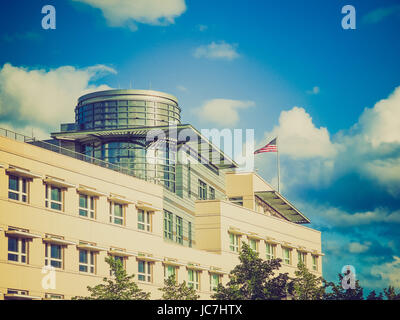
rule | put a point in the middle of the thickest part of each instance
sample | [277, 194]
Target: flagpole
[277, 162]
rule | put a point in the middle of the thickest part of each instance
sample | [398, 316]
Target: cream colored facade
[216, 223]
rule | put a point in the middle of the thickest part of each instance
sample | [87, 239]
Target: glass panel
[13, 183]
[55, 194]
[13, 244]
[83, 201]
[83, 256]
[55, 251]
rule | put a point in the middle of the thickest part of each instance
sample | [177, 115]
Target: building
[101, 187]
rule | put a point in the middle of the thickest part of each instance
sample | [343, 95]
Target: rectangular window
[190, 236]
[314, 263]
[87, 260]
[237, 200]
[212, 193]
[169, 271]
[179, 230]
[234, 242]
[202, 190]
[54, 198]
[193, 279]
[121, 260]
[86, 206]
[301, 256]
[17, 188]
[270, 251]
[287, 255]
[214, 281]
[17, 250]
[253, 244]
[53, 255]
[168, 225]
[189, 179]
[144, 271]
[144, 220]
[117, 213]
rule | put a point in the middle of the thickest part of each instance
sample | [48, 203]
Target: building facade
[104, 189]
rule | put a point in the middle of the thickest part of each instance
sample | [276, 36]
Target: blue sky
[282, 67]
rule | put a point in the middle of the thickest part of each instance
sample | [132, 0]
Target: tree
[306, 286]
[390, 293]
[119, 287]
[253, 279]
[174, 291]
[372, 296]
[339, 293]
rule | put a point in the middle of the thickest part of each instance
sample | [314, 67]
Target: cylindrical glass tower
[107, 111]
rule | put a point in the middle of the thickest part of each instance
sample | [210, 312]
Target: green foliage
[254, 279]
[372, 296]
[339, 293]
[119, 287]
[306, 286]
[390, 293]
[174, 291]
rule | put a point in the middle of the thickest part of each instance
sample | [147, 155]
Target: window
[193, 279]
[179, 230]
[17, 188]
[54, 198]
[120, 259]
[53, 296]
[214, 281]
[169, 271]
[202, 190]
[314, 262]
[17, 250]
[287, 255]
[87, 261]
[270, 251]
[212, 193]
[168, 225]
[234, 240]
[144, 271]
[117, 213]
[86, 206]
[189, 179]
[190, 236]
[237, 200]
[253, 244]
[301, 256]
[144, 220]
[53, 255]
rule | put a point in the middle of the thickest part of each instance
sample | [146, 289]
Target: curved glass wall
[155, 165]
[120, 114]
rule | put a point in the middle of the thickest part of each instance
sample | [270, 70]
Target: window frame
[301, 257]
[195, 283]
[48, 197]
[169, 267]
[113, 217]
[91, 261]
[22, 183]
[179, 229]
[147, 274]
[211, 193]
[19, 254]
[271, 255]
[235, 246]
[202, 190]
[146, 224]
[212, 287]
[91, 202]
[314, 261]
[289, 250]
[168, 225]
[48, 259]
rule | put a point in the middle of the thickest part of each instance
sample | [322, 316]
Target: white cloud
[222, 112]
[41, 98]
[298, 137]
[356, 247]
[214, 50]
[388, 272]
[128, 12]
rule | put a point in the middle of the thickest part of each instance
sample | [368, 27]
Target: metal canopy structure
[184, 135]
[276, 201]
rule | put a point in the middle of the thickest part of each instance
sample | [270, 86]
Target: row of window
[18, 249]
[173, 228]
[18, 189]
[202, 193]
[270, 251]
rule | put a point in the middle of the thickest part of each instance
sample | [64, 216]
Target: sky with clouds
[284, 68]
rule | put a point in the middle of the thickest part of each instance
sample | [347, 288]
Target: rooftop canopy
[185, 136]
[282, 206]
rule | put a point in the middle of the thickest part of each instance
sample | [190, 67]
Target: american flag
[270, 147]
